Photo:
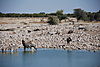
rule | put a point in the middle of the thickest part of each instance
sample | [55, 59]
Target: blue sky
[36, 6]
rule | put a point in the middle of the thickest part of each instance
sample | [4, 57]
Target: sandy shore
[84, 36]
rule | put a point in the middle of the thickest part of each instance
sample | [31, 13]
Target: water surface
[51, 58]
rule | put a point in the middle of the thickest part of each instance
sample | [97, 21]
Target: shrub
[53, 20]
[61, 17]
[59, 12]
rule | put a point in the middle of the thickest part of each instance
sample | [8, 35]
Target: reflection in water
[69, 52]
[25, 52]
[16, 52]
[28, 52]
[50, 58]
[8, 52]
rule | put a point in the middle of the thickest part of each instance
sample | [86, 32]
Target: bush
[53, 20]
[61, 17]
[59, 12]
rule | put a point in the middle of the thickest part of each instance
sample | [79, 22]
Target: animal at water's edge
[28, 45]
[10, 47]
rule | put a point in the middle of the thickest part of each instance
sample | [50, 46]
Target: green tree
[97, 16]
[91, 16]
[81, 14]
[77, 13]
[60, 15]
[59, 12]
[53, 20]
[0, 14]
[85, 16]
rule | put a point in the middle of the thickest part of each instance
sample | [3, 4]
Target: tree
[60, 15]
[77, 13]
[42, 13]
[81, 14]
[0, 14]
[91, 16]
[97, 16]
[53, 20]
[85, 16]
[59, 12]
[52, 14]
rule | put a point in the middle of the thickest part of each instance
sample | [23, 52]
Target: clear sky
[36, 6]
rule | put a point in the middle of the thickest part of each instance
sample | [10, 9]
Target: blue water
[50, 58]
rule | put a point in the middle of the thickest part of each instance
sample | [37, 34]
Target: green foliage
[91, 16]
[61, 17]
[52, 14]
[53, 20]
[97, 16]
[86, 16]
[59, 12]
[78, 13]
[23, 15]
[42, 13]
[70, 15]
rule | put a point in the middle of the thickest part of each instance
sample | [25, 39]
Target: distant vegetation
[78, 13]
[86, 16]
[53, 20]
[22, 15]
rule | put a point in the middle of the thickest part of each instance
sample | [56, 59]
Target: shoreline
[39, 49]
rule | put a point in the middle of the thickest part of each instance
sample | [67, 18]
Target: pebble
[52, 36]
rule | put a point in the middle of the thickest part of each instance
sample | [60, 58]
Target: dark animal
[37, 30]
[28, 45]
[82, 28]
[70, 31]
[69, 39]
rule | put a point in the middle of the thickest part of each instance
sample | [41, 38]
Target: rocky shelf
[84, 36]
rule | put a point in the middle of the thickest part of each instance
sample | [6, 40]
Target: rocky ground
[84, 36]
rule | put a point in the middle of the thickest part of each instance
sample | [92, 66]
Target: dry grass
[89, 22]
[5, 23]
[38, 22]
[97, 22]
